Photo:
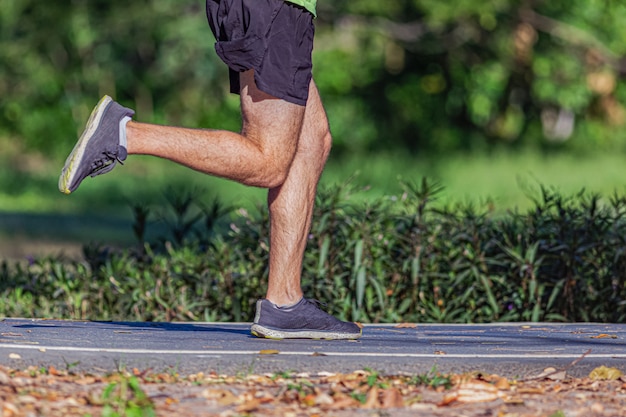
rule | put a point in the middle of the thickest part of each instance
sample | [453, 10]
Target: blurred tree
[58, 58]
[463, 74]
[410, 74]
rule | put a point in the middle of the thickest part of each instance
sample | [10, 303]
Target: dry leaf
[472, 392]
[552, 374]
[392, 398]
[86, 380]
[531, 390]
[372, 399]
[502, 384]
[309, 400]
[269, 352]
[14, 356]
[323, 399]
[604, 373]
[221, 396]
[344, 401]
[406, 325]
[604, 336]
[171, 401]
[249, 406]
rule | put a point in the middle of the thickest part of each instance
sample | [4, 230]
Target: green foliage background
[406, 74]
[410, 77]
[387, 260]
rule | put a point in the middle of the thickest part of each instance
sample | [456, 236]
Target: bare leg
[291, 204]
[260, 156]
[282, 147]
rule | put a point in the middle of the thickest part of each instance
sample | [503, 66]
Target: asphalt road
[510, 349]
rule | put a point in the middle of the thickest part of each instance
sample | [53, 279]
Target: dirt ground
[51, 392]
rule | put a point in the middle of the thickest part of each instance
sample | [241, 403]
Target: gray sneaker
[304, 320]
[98, 150]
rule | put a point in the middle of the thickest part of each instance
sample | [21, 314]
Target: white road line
[44, 349]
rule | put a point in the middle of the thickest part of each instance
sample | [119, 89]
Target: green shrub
[401, 258]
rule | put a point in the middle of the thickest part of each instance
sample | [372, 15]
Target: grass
[504, 180]
[383, 260]
[36, 219]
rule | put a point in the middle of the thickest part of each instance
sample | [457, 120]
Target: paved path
[512, 350]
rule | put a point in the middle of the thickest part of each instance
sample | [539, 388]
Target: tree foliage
[414, 74]
[465, 74]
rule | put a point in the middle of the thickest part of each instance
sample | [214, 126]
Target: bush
[393, 259]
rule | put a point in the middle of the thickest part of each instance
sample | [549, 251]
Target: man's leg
[260, 156]
[291, 208]
[273, 151]
[291, 204]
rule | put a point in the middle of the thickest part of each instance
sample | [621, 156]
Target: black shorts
[272, 37]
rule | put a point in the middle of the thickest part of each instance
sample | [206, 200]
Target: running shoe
[304, 320]
[101, 146]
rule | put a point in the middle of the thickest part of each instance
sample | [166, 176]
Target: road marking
[300, 353]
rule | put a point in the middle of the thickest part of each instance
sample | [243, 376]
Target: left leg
[291, 208]
[291, 204]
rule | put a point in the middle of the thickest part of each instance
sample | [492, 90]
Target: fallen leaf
[406, 325]
[604, 336]
[552, 374]
[531, 390]
[86, 380]
[440, 352]
[221, 396]
[14, 356]
[604, 373]
[249, 406]
[269, 352]
[372, 399]
[391, 398]
[502, 384]
[170, 401]
[472, 392]
[309, 400]
[323, 399]
[343, 401]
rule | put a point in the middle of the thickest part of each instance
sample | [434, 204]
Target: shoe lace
[104, 162]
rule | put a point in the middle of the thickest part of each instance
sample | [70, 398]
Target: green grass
[384, 260]
[34, 213]
[505, 179]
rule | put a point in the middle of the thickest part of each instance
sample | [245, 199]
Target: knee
[276, 170]
[326, 144]
[317, 147]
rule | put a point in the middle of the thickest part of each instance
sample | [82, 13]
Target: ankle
[285, 300]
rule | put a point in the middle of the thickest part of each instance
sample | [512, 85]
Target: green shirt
[307, 4]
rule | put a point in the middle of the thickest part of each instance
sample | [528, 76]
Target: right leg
[259, 156]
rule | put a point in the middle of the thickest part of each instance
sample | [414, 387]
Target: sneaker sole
[68, 173]
[260, 331]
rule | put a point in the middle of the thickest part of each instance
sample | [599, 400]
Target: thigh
[273, 124]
